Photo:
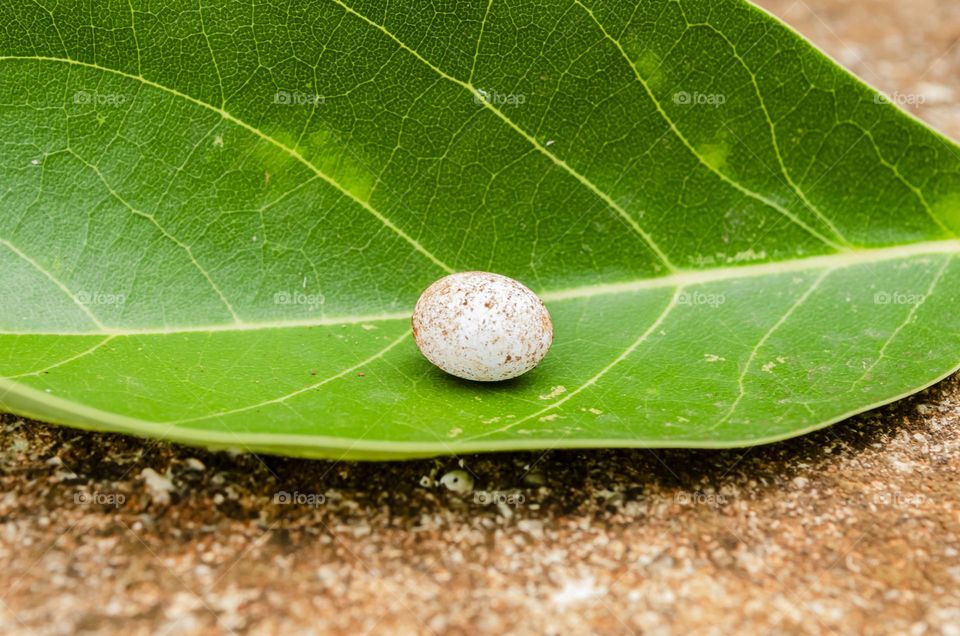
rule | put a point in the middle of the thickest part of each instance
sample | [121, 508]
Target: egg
[482, 326]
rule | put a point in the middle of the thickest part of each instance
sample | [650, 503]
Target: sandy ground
[851, 529]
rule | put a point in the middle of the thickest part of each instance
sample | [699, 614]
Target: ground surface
[852, 529]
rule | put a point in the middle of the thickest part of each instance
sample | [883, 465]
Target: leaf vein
[631, 221]
[906, 321]
[256, 131]
[686, 142]
[56, 281]
[64, 361]
[183, 246]
[683, 278]
[283, 398]
[763, 340]
[626, 353]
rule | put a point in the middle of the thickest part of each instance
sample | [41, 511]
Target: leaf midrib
[683, 278]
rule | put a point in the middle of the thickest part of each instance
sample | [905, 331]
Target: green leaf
[217, 217]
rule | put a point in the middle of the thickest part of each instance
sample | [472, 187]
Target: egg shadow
[462, 385]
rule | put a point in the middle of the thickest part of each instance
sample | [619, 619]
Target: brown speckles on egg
[482, 326]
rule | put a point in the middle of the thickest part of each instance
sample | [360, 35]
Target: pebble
[458, 481]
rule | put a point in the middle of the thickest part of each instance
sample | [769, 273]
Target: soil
[853, 529]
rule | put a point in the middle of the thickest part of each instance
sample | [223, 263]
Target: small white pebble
[458, 481]
[482, 326]
[192, 463]
[159, 485]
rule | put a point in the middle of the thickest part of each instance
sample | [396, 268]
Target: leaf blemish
[554, 392]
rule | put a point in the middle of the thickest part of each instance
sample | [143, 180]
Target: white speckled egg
[482, 326]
